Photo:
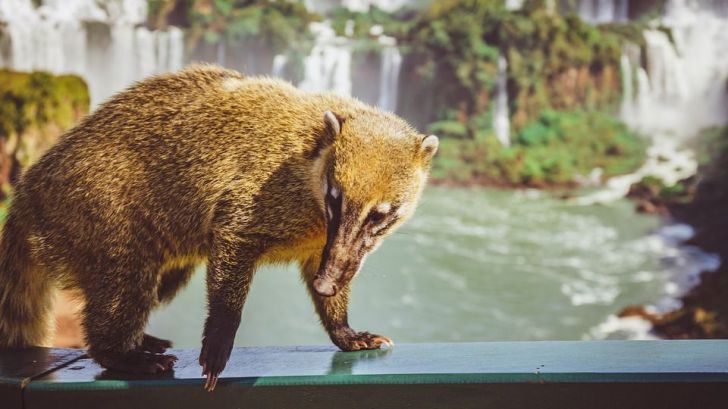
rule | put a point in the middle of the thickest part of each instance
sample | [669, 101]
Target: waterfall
[514, 4]
[389, 76]
[328, 67]
[103, 41]
[501, 118]
[279, 65]
[361, 6]
[604, 11]
[627, 85]
[683, 88]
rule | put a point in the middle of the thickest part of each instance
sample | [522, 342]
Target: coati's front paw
[216, 349]
[349, 340]
[136, 362]
[154, 345]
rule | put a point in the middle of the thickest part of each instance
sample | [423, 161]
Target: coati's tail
[25, 296]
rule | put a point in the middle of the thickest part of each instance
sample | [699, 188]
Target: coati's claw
[216, 349]
[357, 341]
[136, 362]
[154, 345]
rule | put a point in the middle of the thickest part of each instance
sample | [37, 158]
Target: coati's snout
[344, 249]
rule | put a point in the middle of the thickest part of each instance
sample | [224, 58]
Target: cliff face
[35, 109]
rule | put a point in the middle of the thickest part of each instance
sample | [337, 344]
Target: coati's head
[375, 170]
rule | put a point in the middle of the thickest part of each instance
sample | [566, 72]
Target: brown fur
[201, 165]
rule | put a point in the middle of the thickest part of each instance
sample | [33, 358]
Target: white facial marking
[334, 192]
[402, 209]
[384, 207]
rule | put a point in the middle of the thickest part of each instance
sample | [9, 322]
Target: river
[477, 265]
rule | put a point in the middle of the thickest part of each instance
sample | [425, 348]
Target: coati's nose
[324, 287]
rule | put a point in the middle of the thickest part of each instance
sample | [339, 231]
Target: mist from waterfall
[103, 42]
[683, 87]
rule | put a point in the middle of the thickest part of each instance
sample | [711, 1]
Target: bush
[553, 150]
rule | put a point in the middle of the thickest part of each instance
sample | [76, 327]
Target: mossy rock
[35, 109]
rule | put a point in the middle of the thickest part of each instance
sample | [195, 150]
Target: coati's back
[156, 158]
[144, 171]
[204, 164]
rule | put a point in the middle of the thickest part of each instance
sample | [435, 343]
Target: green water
[471, 265]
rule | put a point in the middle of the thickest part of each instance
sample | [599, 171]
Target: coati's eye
[375, 217]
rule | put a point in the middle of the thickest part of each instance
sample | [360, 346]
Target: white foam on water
[684, 264]
[614, 327]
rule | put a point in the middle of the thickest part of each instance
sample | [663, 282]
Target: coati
[204, 165]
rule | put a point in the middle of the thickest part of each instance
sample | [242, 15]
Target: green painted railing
[565, 374]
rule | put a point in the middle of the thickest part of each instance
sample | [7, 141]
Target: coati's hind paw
[356, 341]
[136, 362]
[154, 345]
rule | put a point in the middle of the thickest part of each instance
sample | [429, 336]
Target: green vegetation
[250, 32]
[280, 25]
[553, 150]
[555, 61]
[361, 24]
[35, 108]
[560, 71]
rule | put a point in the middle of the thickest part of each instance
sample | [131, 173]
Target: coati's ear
[332, 129]
[333, 124]
[428, 147]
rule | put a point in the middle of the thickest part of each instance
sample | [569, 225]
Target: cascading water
[682, 90]
[362, 6]
[100, 40]
[501, 117]
[604, 11]
[389, 78]
[279, 65]
[328, 67]
[687, 79]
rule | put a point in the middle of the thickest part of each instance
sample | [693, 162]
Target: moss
[35, 108]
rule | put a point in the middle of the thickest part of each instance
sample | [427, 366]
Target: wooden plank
[504, 374]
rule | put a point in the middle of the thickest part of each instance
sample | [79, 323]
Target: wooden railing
[565, 374]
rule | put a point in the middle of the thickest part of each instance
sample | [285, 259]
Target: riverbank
[700, 202]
